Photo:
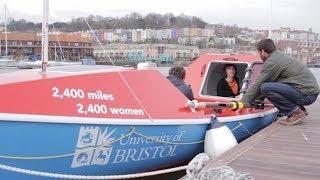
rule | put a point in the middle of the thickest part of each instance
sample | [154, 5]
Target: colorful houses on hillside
[213, 38]
[144, 52]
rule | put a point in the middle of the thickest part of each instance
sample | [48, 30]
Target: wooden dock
[279, 152]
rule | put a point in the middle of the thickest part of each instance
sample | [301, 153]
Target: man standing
[285, 81]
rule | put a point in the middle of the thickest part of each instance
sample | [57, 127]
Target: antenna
[5, 29]
[270, 19]
[45, 38]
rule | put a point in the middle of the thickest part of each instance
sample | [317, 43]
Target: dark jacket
[281, 68]
[223, 88]
[182, 86]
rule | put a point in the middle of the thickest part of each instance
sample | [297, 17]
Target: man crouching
[285, 81]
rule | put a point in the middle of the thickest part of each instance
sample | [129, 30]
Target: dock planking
[279, 151]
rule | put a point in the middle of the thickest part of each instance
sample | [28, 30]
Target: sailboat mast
[5, 29]
[55, 52]
[45, 39]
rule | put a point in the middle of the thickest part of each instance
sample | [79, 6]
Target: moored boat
[114, 122]
[95, 123]
[102, 123]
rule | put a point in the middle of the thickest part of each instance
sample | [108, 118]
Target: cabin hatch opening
[215, 73]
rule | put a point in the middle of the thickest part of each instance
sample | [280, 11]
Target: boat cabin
[205, 73]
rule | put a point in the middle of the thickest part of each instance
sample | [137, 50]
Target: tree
[220, 45]
[201, 44]
[197, 22]
[130, 21]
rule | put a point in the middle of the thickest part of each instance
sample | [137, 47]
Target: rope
[196, 171]
[14, 27]
[123, 79]
[241, 124]
[244, 127]
[196, 164]
[236, 127]
[60, 48]
[223, 173]
[71, 176]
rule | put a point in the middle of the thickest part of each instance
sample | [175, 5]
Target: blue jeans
[286, 97]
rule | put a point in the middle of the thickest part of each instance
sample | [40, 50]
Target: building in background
[165, 53]
[62, 46]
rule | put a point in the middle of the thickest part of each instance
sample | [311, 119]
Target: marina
[157, 96]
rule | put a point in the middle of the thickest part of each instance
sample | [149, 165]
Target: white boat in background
[29, 64]
[38, 64]
[146, 65]
[7, 62]
[63, 63]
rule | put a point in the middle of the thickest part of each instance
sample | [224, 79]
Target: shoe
[280, 115]
[294, 118]
[304, 110]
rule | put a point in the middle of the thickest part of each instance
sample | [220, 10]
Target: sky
[254, 14]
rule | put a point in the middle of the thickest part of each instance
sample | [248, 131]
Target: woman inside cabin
[228, 86]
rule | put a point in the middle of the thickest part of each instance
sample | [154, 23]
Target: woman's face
[230, 71]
